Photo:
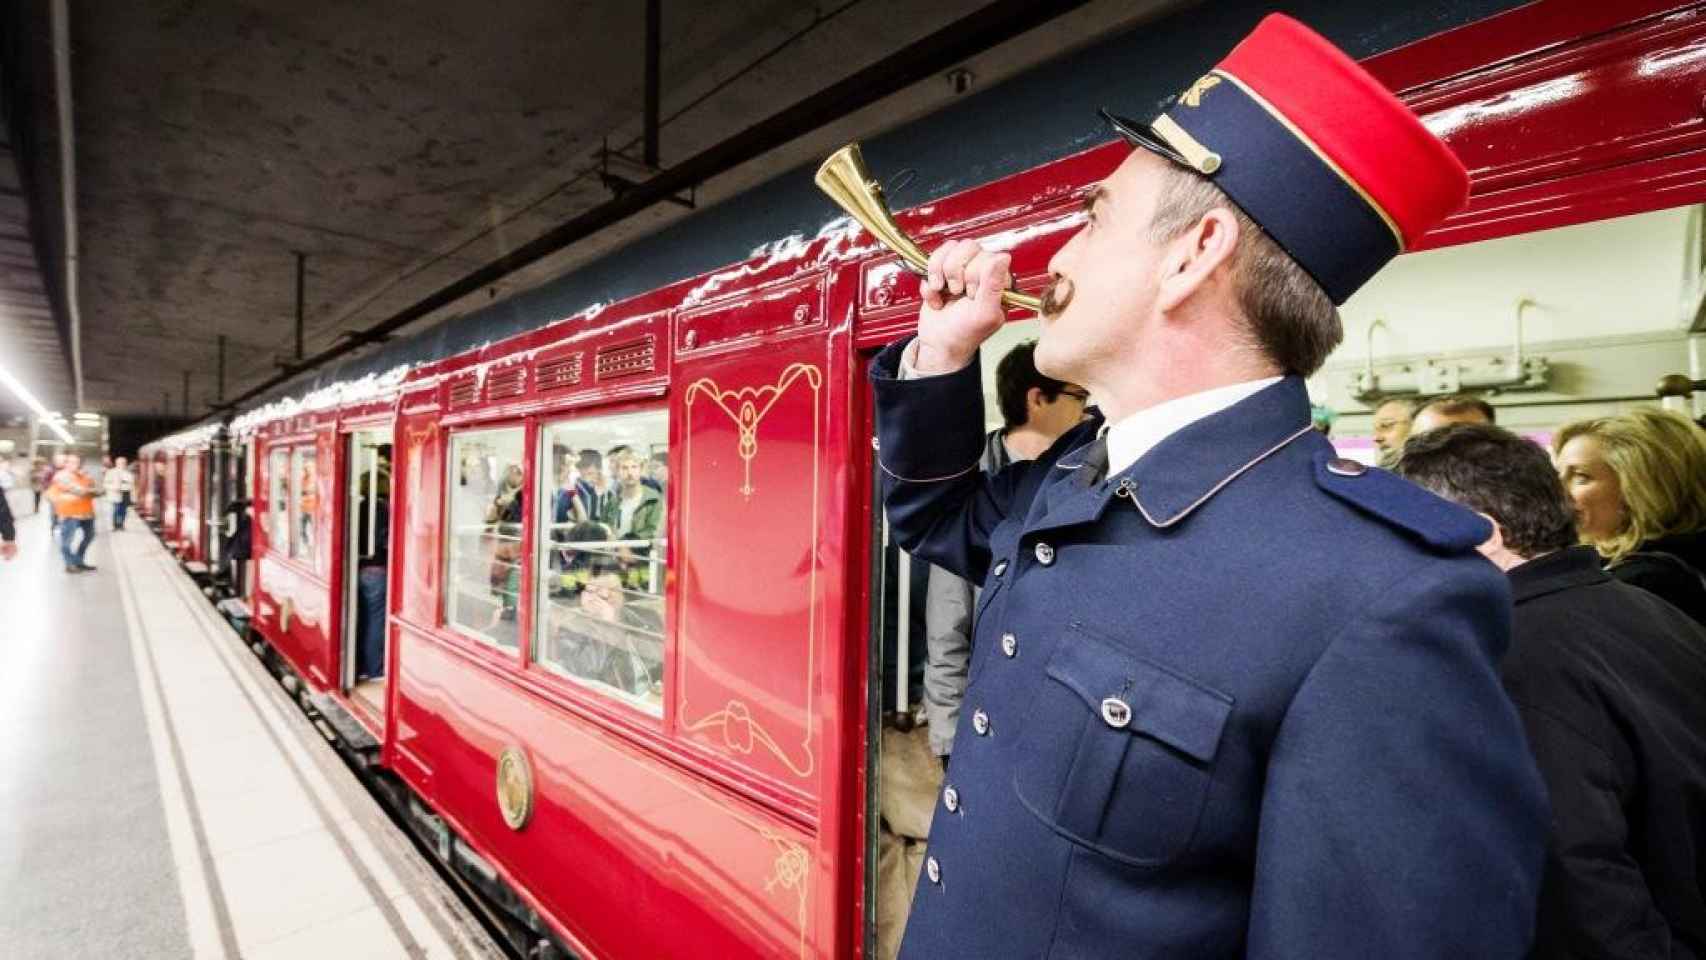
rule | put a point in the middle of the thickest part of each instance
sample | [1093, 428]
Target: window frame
[275, 476]
[514, 656]
[299, 452]
[592, 693]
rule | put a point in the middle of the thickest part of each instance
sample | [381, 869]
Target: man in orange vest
[73, 497]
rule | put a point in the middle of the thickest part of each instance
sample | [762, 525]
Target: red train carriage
[624, 563]
[150, 481]
[174, 478]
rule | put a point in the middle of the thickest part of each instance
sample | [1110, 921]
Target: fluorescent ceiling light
[30, 401]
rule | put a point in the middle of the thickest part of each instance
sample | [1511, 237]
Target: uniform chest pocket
[1118, 752]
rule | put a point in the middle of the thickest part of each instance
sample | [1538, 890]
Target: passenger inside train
[371, 510]
[601, 559]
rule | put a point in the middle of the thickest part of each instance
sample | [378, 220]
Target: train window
[483, 561]
[305, 498]
[278, 497]
[601, 563]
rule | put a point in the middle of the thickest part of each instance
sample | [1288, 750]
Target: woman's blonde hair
[1659, 458]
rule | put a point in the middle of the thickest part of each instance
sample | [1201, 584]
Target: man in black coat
[1608, 679]
[8, 530]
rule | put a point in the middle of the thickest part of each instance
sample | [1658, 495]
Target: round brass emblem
[515, 788]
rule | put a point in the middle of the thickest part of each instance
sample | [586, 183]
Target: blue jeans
[370, 623]
[69, 528]
[120, 508]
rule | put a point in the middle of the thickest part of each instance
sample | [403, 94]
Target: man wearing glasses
[1035, 410]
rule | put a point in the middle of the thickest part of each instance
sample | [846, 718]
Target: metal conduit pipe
[970, 35]
[68, 187]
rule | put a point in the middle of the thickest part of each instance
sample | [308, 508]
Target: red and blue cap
[1314, 149]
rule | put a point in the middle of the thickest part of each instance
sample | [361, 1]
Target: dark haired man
[1177, 739]
[1035, 410]
[1607, 678]
[593, 489]
[1457, 408]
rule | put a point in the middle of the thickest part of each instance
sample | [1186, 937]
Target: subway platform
[161, 796]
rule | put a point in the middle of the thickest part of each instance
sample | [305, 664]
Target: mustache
[1056, 296]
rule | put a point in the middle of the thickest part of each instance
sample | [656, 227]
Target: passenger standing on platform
[1232, 696]
[52, 509]
[1638, 483]
[8, 531]
[1035, 410]
[1608, 680]
[73, 500]
[1457, 408]
[41, 477]
[1392, 421]
[119, 483]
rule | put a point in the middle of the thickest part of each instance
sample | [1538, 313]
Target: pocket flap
[1164, 706]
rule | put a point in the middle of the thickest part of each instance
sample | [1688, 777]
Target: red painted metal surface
[169, 506]
[1581, 112]
[192, 529]
[738, 814]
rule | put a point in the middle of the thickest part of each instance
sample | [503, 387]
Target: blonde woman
[1638, 482]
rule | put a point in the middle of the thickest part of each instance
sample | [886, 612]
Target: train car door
[367, 552]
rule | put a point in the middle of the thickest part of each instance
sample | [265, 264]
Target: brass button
[1009, 645]
[933, 870]
[1116, 713]
[951, 799]
[1045, 554]
[980, 722]
[1345, 467]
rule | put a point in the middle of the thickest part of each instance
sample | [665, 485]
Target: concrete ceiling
[399, 146]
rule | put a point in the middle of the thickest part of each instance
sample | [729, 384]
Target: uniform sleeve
[941, 506]
[1595, 901]
[1403, 816]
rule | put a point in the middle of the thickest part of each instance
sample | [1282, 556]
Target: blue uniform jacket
[1225, 702]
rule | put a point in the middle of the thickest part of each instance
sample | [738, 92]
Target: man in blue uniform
[1229, 695]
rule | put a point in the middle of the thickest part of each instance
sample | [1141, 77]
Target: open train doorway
[922, 626]
[367, 563]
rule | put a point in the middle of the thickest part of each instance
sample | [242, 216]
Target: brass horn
[843, 176]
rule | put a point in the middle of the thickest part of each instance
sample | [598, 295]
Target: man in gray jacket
[1035, 410]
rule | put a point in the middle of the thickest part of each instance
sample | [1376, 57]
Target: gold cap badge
[1192, 97]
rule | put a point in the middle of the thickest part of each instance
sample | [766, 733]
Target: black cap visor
[1143, 135]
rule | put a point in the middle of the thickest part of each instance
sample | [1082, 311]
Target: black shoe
[71, 569]
[83, 568]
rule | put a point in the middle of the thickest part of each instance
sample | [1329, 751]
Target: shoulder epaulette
[1435, 521]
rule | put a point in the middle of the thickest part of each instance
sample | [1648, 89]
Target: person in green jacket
[635, 511]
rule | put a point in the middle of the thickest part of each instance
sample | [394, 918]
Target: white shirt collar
[1138, 433]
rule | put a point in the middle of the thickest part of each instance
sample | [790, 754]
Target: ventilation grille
[464, 392]
[503, 384]
[627, 359]
[558, 374]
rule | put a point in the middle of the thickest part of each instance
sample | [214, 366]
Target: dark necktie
[1095, 462]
